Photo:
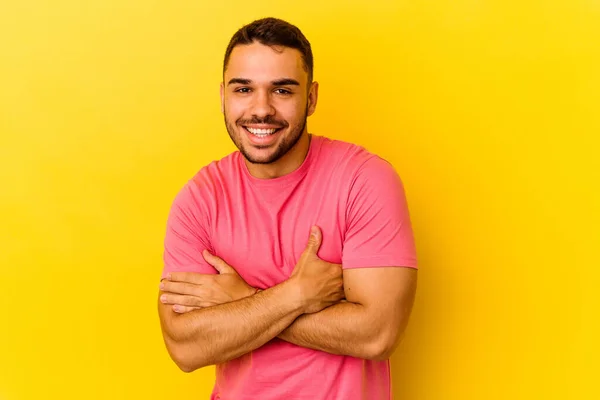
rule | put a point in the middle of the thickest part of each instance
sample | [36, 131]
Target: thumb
[314, 240]
[217, 262]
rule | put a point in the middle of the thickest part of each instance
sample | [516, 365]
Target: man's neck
[287, 164]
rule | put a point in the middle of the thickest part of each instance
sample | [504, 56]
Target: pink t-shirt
[261, 226]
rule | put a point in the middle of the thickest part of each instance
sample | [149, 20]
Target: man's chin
[255, 158]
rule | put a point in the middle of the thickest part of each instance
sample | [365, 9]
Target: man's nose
[262, 106]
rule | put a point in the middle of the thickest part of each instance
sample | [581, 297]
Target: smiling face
[266, 99]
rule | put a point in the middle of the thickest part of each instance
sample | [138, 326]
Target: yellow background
[488, 109]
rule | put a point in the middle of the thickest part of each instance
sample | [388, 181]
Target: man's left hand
[188, 291]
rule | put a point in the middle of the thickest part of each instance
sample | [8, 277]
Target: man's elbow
[187, 356]
[384, 346]
[185, 359]
[187, 368]
[382, 353]
[185, 365]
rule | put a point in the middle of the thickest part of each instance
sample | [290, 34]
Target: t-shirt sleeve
[186, 236]
[378, 230]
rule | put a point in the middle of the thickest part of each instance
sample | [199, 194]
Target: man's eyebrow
[240, 81]
[285, 81]
[277, 82]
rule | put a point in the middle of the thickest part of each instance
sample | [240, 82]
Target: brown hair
[273, 32]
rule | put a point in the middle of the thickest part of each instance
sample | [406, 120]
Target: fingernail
[163, 298]
[169, 276]
[161, 286]
[176, 308]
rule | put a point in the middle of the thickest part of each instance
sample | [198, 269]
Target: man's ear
[222, 90]
[313, 95]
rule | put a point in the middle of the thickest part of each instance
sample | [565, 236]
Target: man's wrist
[252, 291]
[294, 293]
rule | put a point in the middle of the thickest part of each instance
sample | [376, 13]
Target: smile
[261, 132]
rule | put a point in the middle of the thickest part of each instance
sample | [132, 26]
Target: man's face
[266, 100]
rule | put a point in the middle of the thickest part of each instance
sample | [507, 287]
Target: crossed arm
[367, 325]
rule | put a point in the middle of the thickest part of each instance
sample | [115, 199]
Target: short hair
[273, 32]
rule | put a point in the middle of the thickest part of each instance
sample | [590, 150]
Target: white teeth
[261, 132]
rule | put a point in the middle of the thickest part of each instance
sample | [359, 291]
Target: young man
[285, 315]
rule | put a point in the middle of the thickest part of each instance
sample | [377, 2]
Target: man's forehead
[259, 62]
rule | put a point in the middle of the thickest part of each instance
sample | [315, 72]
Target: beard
[285, 145]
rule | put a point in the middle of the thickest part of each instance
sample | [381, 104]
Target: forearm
[217, 334]
[343, 329]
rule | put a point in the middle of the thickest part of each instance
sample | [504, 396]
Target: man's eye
[282, 91]
[242, 90]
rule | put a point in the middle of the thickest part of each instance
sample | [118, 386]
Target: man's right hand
[320, 282]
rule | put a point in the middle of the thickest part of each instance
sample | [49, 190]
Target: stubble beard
[282, 148]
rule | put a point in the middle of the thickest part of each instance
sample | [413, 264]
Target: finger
[178, 308]
[169, 298]
[217, 263]
[314, 240]
[191, 277]
[181, 288]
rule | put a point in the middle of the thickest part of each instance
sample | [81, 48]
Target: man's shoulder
[340, 147]
[210, 179]
[218, 170]
[352, 157]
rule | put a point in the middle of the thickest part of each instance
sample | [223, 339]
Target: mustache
[268, 120]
